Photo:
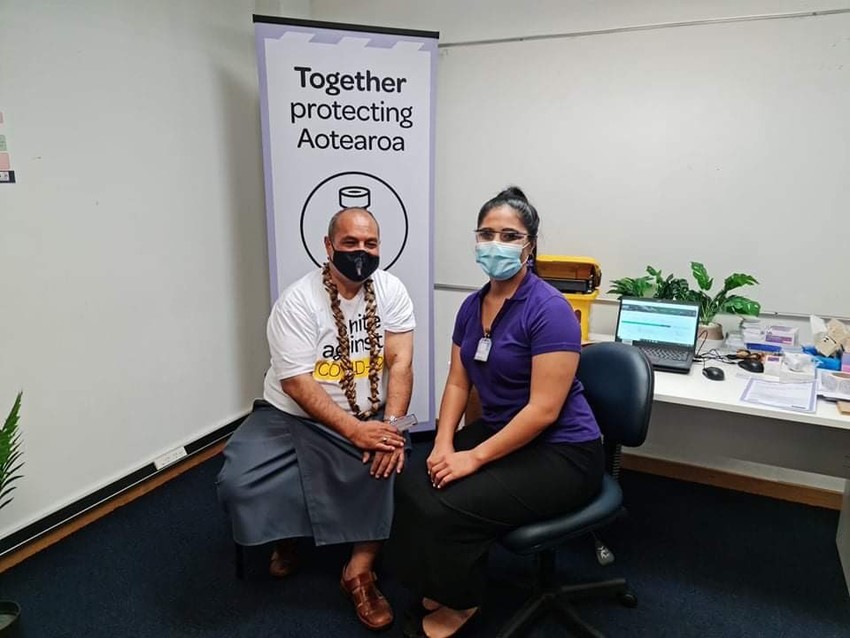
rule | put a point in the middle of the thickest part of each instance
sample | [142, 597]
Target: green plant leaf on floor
[10, 453]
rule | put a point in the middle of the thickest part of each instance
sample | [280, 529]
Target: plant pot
[709, 336]
[9, 613]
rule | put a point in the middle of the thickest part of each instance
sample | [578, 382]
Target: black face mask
[356, 265]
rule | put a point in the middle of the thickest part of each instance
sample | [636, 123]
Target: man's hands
[382, 444]
[376, 436]
[385, 463]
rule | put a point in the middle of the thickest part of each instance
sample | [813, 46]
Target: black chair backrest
[618, 383]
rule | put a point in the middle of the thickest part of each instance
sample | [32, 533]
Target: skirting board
[45, 532]
[730, 481]
[670, 469]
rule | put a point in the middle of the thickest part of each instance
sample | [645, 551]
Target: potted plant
[10, 464]
[655, 285]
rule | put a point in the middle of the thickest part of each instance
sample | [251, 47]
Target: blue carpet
[703, 562]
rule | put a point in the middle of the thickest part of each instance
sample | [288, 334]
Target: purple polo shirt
[536, 320]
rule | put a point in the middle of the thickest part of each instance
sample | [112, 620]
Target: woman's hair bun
[512, 192]
[514, 197]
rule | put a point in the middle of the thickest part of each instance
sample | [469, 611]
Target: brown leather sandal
[373, 610]
[284, 561]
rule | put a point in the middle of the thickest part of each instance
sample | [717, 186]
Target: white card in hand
[405, 423]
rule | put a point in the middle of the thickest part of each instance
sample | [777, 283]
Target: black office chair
[618, 381]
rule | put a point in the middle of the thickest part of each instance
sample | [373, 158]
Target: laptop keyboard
[669, 354]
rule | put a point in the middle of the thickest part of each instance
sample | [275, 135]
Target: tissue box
[783, 335]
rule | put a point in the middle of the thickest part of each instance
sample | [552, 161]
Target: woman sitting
[536, 452]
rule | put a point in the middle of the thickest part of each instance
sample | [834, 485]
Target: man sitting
[314, 459]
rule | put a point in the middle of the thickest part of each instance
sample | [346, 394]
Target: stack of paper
[799, 397]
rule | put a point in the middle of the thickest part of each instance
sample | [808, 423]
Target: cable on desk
[704, 335]
[715, 355]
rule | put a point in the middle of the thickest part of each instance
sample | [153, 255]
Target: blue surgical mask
[499, 261]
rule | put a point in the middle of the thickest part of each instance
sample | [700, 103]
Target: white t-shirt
[303, 337]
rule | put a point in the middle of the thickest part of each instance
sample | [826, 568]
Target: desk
[693, 390]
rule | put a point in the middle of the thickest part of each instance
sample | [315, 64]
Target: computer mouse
[715, 374]
[751, 365]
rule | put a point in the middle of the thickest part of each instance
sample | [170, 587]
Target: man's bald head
[347, 216]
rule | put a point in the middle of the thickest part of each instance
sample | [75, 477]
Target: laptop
[666, 331]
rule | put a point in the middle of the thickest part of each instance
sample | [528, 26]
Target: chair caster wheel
[627, 598]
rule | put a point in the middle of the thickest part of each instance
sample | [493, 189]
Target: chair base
[559, 600]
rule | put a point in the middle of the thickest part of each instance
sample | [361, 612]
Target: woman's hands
[439, 452]
[449, 466]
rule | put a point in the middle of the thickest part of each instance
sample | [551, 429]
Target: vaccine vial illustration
[355, 197]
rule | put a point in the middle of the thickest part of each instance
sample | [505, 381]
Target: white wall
[470, 21]
[133, 268]
[723, 143]
[488, 19]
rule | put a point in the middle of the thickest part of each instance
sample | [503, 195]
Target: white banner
[347, 116]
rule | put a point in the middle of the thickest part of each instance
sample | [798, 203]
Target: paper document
[800, 397]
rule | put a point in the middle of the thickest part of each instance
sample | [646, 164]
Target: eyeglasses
[506, 236]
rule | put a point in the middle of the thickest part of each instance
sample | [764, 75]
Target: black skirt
[440, 538]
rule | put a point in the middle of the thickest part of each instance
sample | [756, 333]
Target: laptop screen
[658, 321]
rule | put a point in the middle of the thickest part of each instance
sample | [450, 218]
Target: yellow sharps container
[577, 277]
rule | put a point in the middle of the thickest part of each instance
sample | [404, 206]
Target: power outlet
[170, 457]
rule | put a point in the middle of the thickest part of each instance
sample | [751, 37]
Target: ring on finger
[383, 439]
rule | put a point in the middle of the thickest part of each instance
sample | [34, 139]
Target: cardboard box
[783, 335]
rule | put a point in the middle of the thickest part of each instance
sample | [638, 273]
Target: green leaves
[672, 288]
[736, 280]
[737, 305]
[629, 287]
[656, 285]
[701, 275]
[10, 453]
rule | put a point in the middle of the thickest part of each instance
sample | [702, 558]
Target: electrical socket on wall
[170, 457]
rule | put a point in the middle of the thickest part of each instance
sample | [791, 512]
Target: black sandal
[418, 611]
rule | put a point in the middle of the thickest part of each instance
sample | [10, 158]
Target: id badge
[483, 350]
